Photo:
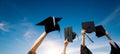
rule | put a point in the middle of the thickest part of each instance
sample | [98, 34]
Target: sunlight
[50, 47]
[53, 49]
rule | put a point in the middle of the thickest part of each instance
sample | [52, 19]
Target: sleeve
[31, 52]
[85, 50]
[114, 50]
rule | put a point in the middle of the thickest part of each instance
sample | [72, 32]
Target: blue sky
[18, 30]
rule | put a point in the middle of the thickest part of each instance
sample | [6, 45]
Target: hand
[83, 32]
[66, 42]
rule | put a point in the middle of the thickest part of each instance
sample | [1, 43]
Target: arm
[84, 49]
[107, 35]
[83, 37]
[110, 40]
[65, 46]
[37, 43]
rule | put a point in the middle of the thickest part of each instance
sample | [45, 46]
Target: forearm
[108, 36]
[65, 46]
[38, 42]
[83, 41]
[64, 50]
[110, 40]
[83, 37]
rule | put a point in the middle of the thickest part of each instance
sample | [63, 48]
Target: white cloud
[111, 17]
[101, 53]
[29, 34]
[2, 27]
[98, 46]
[73, 50]
[27, 28]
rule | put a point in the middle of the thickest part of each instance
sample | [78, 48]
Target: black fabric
[68, 34]
[114, 50]
[50, 28]
[85, 50]
[100, 31]
[88, 26]
[73, 35]
[31, 52]
[49, 25]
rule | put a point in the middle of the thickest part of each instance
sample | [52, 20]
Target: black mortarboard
[69, 34]
[88, 26]
[50, 24]
[100, 31]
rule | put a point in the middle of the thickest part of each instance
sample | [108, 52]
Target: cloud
[73, 50]
[26, 28]
[101, 53]
[98, 46]
[111, 17]
[30, 33]
[2, 27]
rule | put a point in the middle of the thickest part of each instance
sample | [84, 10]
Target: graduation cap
[50, 24]
[69, 34]
[100, 31]
[88, 26]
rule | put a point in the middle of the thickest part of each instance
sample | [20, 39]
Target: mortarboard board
[88, 26]
[73, 35]
[50, 24]
[100, 31]
[69, 34]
